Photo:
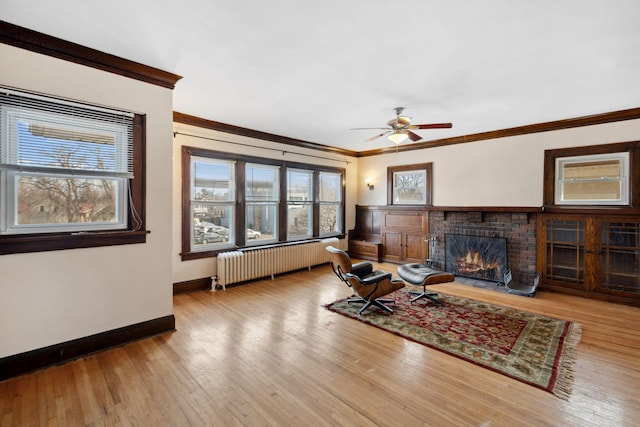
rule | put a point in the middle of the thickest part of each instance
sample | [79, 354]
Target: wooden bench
[363, 249]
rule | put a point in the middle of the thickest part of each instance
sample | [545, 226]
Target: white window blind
[65, 166]
[42, 134]
[600, 179]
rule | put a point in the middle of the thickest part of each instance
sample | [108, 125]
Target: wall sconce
[369, 184]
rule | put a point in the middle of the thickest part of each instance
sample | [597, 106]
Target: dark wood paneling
[414, 247]
[365, 239]
[401, 231]
[22, 363]
[404, 221]
[364, 223]
[392, 246]
[366, 250]
[367, 226]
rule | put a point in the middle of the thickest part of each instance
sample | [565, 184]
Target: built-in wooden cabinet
[390, 234]
[404, 236]
[591, 255]
[404, 247]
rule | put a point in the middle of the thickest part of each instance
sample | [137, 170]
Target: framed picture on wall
[409, 184]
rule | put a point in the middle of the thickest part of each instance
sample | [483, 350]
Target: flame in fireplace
[472, 262]
[476, 256]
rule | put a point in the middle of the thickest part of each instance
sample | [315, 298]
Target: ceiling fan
[399, 129]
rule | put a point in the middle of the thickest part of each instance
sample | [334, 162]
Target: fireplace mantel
[480, 210]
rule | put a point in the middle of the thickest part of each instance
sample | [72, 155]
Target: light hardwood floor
[267, 353]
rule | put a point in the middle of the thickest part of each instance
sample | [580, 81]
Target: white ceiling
[314, 70]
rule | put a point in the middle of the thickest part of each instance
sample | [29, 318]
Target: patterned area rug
[535, 349]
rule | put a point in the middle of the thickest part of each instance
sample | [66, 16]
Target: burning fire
[472, 262]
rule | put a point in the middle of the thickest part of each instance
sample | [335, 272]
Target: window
[299, 203]
[409, 184]
[262, 195]
[249, 201]
[330, 202]
[598, 175]
[67, 169]
[601, 179]
[212, 201]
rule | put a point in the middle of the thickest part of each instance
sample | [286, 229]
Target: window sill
[584, 209]
[187, 256]
[54, 242]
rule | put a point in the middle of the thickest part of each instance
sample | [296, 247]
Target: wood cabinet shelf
[592, 255]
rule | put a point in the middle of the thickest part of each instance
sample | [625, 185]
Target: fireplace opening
[477, 257]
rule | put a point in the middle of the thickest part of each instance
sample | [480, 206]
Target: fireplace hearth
[477, 257]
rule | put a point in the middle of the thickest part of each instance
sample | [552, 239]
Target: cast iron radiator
[254, 263]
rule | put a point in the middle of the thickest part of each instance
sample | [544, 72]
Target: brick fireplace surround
[374, 223]
[518, 228]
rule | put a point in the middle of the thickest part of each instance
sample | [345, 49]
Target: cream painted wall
[51, 297]
[498, 172]
[201, 268]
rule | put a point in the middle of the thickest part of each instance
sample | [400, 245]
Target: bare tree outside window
[65, 200]
[54, 199]
[330, 201]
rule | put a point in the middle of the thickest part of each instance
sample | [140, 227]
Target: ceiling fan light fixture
[398, 130]
[399, 137]
[403, 121]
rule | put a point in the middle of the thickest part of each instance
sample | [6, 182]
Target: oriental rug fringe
[532, 348]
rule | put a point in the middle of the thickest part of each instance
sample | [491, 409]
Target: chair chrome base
[360, 300]
[378, 303]
[431, 296]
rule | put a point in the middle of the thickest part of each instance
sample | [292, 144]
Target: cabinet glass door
[565, 251]
[620, 257]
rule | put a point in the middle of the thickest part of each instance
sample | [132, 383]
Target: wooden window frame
[428, 185]
[240, 210]
[550, 157]
[135, 232]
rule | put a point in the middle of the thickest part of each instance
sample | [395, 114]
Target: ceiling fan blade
[432, 126]
[414, 136]
[377, 136]
[387, 128]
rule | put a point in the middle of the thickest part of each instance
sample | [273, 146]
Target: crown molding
[596, 119]
[34, 41]
[251, 133]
